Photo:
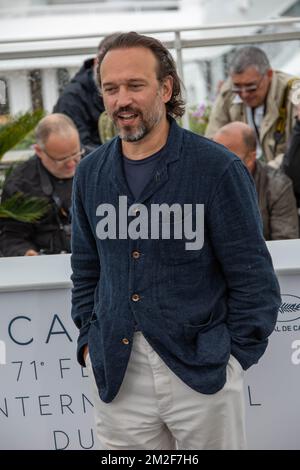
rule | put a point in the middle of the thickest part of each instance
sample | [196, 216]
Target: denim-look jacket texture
[195, 307]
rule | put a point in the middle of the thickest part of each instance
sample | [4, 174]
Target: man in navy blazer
[174, 289]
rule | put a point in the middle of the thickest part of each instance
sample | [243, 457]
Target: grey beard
[138, 135]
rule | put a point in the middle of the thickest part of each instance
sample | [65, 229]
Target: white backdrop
[45, 398]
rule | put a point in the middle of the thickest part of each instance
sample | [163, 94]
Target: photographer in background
[259, 96]
[48, 174]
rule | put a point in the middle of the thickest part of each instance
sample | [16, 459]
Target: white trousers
[154, 409]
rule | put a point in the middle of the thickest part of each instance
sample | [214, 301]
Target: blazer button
[135, 297]
[125, 341]
[136, 254]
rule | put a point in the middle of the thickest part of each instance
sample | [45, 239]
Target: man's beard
[135, 133]
[127, 134]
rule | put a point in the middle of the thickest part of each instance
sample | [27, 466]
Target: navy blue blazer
[194, 307]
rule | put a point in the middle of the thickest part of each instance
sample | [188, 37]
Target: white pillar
[49, 88]
[19, 93]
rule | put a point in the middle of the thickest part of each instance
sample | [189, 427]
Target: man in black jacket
[48, 174]
[81, 101]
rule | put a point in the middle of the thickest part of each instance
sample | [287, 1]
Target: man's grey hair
[166, 66]
[55, 123]
[249, 56]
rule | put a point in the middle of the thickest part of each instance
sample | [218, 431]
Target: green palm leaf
[19, 207]
[23, 208]
[16, 129]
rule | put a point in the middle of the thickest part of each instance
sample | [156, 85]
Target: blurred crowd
[256, 115]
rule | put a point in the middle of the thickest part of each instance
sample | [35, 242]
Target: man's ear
[270, 73]
[250, 161]
[167, 88]
[37, 150]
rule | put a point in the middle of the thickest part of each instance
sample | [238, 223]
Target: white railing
[101, 6]
[177, 39]
[45, 53]
[62, 45]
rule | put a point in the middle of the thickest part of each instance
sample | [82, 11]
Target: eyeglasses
[247, 88]
[76, 156]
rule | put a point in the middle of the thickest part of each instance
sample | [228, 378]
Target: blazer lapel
[117, 177]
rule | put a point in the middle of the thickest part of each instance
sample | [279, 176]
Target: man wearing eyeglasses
[49, 175]
[259, 96]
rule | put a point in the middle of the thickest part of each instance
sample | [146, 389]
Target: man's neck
[150, 144]
[253, 168]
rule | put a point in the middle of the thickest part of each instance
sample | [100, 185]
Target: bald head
[240, 139]
[58, 145]
[55, 123]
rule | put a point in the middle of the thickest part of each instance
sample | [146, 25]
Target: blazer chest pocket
[174, 251]
[181, 240]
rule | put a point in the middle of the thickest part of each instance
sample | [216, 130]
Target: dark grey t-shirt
[139, 172]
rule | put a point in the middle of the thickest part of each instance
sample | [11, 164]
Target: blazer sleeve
[253, 292]
[85, 265]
